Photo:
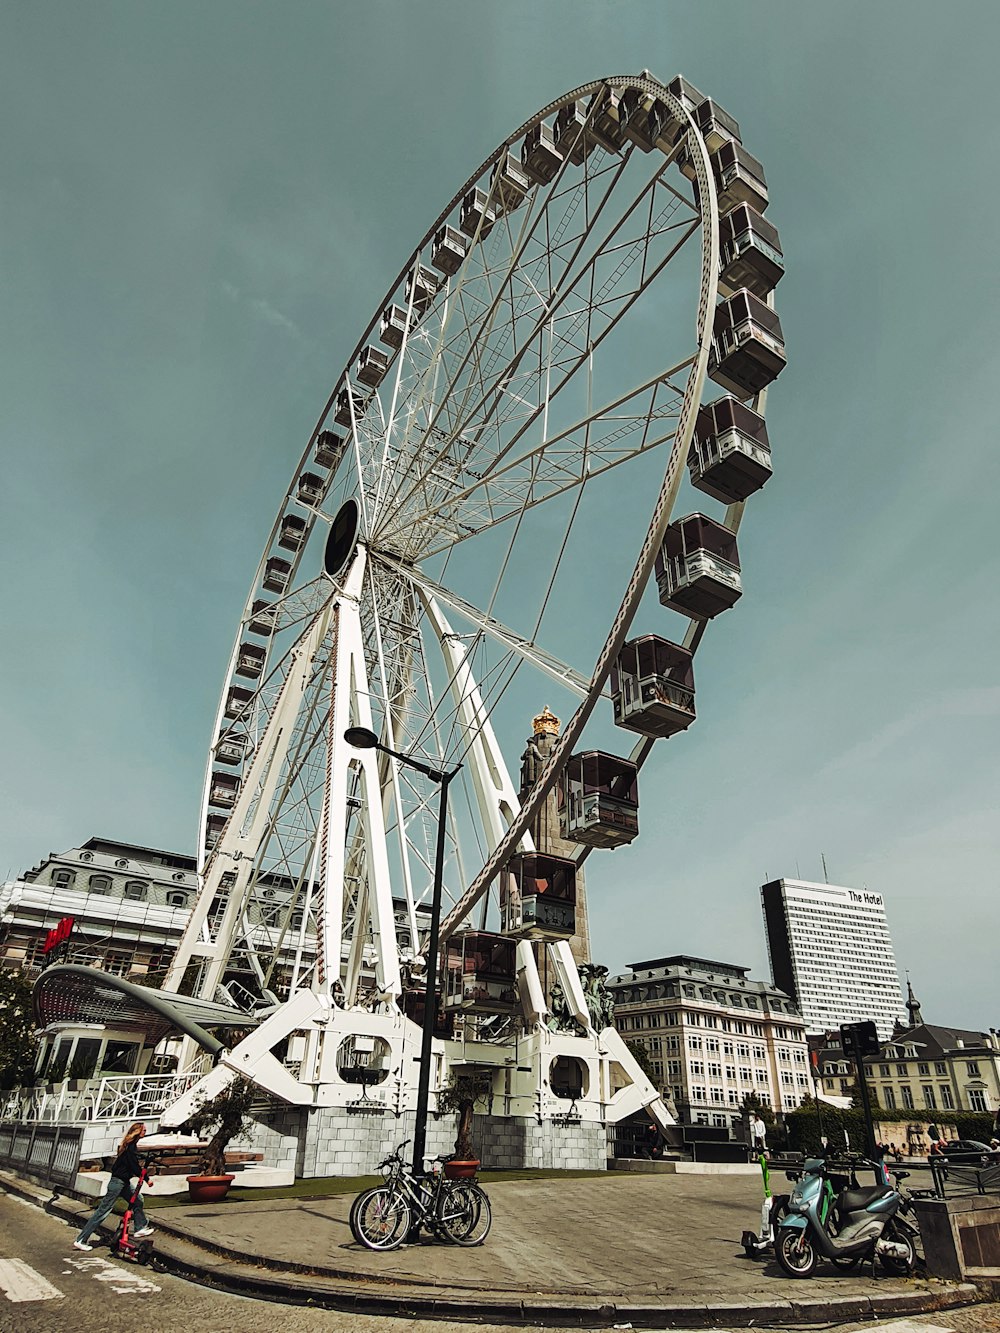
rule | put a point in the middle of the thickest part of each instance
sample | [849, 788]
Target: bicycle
[456, 1211]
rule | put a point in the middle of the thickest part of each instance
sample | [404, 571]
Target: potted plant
[224, 1118]
[466, 1088]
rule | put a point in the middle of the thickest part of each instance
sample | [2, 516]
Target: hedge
[803, 1132]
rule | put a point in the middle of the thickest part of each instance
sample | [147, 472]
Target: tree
[225, 1117]
[464, 1089]
[751, 1103]
[17, 1028]
[642, 1059]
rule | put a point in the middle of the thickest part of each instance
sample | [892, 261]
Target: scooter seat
[852, 1201]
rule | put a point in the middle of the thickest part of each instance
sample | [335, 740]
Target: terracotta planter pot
[209, 1189]
[461, 1170]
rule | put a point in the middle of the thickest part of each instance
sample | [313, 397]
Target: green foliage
[890, 1126]
[642, 1059]
[17, 1027]
[751, 1102]
[224, 1117]
[465, 1088]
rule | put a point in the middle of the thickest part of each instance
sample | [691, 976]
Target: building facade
[923, 1068]
[830, 950]
[713, 1036]
[129, 906]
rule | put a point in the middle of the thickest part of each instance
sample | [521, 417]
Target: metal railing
[50, 1153]
[953, 1178]
[111, 1097]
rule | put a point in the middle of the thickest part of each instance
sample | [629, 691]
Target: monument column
[545, 829]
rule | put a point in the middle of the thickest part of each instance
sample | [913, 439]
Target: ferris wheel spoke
[536, 402]
[569, 283]
[490, 375]
[517, 643]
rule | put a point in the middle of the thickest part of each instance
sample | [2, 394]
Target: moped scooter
[846, 1228]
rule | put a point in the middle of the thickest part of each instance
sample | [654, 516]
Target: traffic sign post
[859, 1040]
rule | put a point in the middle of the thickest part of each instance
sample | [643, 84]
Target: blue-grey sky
[200, 207]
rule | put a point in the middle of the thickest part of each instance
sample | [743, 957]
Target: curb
[345, 1293]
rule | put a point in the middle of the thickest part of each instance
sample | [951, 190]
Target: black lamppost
[363, 739]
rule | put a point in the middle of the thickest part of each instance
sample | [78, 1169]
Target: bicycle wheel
[464, 1215]
[381, 1218]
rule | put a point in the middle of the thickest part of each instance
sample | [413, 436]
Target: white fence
[75, 1101]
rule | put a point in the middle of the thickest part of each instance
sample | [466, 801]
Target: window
[907, 1095]
[179, 876]
[973, 1068]
[977, 1099]
[731, 1072]
[727, 1048]
[135, 890]
[923, 1069]
[697, 1069]
[888, 1099]
[62, 879]
[947, 1100]
[928, 1095]
[901, 1071]
[119, 1058]
[718, 1095]
[714, 1071]
[99, 884]
[177, 899]
[940, 1067]
[121, 864]
[884, 1070]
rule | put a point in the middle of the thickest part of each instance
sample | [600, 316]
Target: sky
[200, 207]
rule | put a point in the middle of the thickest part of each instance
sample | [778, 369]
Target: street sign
[860, 1038]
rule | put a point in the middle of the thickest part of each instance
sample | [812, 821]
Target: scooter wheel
[796, 1253]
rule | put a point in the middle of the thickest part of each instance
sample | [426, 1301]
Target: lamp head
[361, 738]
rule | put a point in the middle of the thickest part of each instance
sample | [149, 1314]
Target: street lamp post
[363, 739]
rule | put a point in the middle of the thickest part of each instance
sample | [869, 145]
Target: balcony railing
[111, 1097]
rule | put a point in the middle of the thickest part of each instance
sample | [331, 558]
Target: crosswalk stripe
[20, 1282]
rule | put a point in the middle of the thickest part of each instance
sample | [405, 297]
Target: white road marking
[123, 1281]
[20, 1282]
[911, 1326]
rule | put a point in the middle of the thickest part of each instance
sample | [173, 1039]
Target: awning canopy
[70, 993]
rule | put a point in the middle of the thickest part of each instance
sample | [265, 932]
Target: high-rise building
[830, 951]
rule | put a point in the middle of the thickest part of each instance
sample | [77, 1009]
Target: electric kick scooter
[124, 1243]
[772, 1210]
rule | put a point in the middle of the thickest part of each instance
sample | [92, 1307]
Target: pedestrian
[932, 1133]
[126, 1166]
[758, 1134]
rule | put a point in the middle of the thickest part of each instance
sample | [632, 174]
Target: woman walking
[126, 1166]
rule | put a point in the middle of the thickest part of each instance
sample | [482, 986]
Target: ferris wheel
[481, 518]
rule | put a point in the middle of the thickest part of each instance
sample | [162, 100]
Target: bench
[187, 1161]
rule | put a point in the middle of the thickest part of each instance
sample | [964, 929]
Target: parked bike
[456, 1211]
[831, 1217]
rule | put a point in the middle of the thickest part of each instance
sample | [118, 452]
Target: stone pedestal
[961, 1237]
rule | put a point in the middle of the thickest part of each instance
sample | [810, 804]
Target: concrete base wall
[331, 1141]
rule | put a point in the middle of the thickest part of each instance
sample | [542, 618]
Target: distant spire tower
[912, 1004]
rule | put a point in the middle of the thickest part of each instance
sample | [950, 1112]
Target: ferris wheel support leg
[253, 1059]
[635, 1096]
[352, 707]
[495, 794]
[529, 987]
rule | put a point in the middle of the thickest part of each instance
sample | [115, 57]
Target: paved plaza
[614, 1249]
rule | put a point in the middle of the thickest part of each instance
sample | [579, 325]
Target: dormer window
[86, 856]
[135, 890]
[177, 899]
[121, 864]
[100, 884]
[179, 876]
[63, 879]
